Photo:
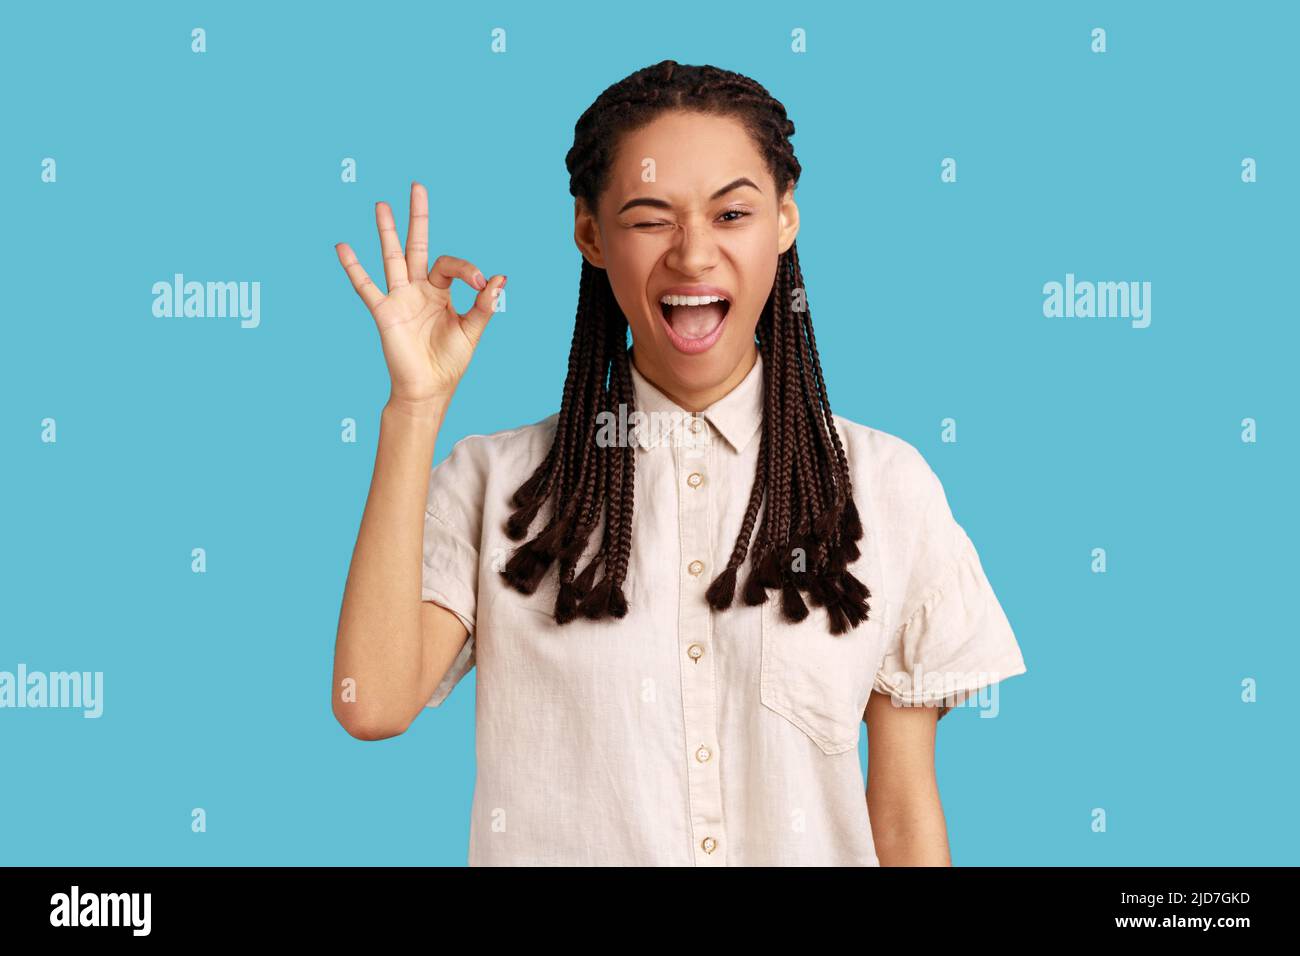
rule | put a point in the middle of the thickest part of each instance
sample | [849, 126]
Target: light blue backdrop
[1073, 434]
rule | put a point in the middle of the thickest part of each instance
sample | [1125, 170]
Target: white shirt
[680, 735]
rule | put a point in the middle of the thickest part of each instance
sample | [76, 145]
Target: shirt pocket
[817, 680]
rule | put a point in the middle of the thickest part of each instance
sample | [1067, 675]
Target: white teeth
[691, 299]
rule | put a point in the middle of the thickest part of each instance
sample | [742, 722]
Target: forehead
[690, 154]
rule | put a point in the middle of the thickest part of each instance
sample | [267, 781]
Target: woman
[653, 685]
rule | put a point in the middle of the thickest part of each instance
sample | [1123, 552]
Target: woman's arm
[907, 821]
[393, 648]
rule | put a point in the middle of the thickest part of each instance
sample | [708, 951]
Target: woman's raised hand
[427, 345]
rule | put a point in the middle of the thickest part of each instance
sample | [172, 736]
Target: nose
[694, 249]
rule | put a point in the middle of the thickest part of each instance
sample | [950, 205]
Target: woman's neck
[695, 400]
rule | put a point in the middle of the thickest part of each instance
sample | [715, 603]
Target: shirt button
[695, 567]
[708, 844]
[697, 425]
[695, 651]
[694, 479]
[703, 754]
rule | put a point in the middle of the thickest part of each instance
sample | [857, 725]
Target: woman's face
[690, 203]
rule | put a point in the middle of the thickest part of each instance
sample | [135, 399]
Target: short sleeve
[453, 519]
[952, 636]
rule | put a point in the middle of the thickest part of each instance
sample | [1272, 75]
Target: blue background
[1073, 433]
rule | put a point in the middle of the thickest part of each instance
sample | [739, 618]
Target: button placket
[699, 704]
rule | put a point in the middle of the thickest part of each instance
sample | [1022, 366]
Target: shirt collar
[736, 415]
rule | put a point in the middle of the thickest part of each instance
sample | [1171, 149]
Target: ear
[586, 234]
[788, 220]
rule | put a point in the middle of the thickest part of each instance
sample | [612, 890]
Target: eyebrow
[664, 204]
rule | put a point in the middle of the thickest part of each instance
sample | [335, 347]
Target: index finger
[446, 268]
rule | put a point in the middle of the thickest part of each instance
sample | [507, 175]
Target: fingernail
[503, 282]
[479, 281]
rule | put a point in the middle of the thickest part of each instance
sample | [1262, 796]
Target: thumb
[476, 319]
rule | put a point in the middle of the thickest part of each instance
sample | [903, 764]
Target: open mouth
[693, 322]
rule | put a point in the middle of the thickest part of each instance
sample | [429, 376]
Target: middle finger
[417, 233]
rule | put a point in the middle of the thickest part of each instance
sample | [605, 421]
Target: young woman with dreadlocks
[687, 589]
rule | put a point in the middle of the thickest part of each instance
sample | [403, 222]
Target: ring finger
[394, 260]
